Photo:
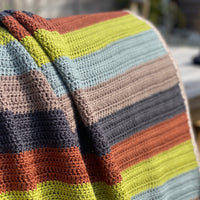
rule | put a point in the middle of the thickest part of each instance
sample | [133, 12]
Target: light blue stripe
[113, 60]
[54, 79]
[66, 75]
[15, 60]
[183, 187]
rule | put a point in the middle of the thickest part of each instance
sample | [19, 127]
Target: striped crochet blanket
[91, 108]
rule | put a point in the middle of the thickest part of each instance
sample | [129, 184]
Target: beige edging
[194, 142]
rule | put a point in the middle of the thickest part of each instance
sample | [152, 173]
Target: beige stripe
[134, 85]
[31, 92]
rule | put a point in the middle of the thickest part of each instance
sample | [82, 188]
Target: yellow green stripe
[159, 169]
[35, 50]
[101, 34]
[5, 36]
[147, 174]
[77, 43]
[51, 190]
[83, 41]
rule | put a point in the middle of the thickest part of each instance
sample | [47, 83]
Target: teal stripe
[185, 186]
[86, 71]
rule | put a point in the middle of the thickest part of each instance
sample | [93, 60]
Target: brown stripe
[151, 141]
[31, 92]
[128, 88]
[24, 171]
[21, 25]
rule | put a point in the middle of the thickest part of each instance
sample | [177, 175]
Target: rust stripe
[21, 25]
[68, 24]
[151, 141]
[68, 165]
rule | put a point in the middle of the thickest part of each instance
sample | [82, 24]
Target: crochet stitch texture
[92, 108]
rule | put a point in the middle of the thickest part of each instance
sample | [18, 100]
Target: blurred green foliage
[173, 10]
[178, 15]
[155, 12]
[121, 4]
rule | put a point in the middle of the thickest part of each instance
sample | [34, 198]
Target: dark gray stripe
[23, 132]
[137, 117]
[143, 114]
[4, 14]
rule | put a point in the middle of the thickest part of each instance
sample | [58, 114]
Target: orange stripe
[151, 141]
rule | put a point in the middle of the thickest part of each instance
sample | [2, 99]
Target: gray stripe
[122, 124]
[24, 132]
[142, 115]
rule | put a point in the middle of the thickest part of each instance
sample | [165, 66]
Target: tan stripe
[31, 92]
[134, 85]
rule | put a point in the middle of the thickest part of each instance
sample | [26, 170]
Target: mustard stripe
[83, 41]
[159, 169]
[145, 175]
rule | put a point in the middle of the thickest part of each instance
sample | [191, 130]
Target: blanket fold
[92, 108]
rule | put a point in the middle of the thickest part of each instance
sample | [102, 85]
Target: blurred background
[177, 20]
